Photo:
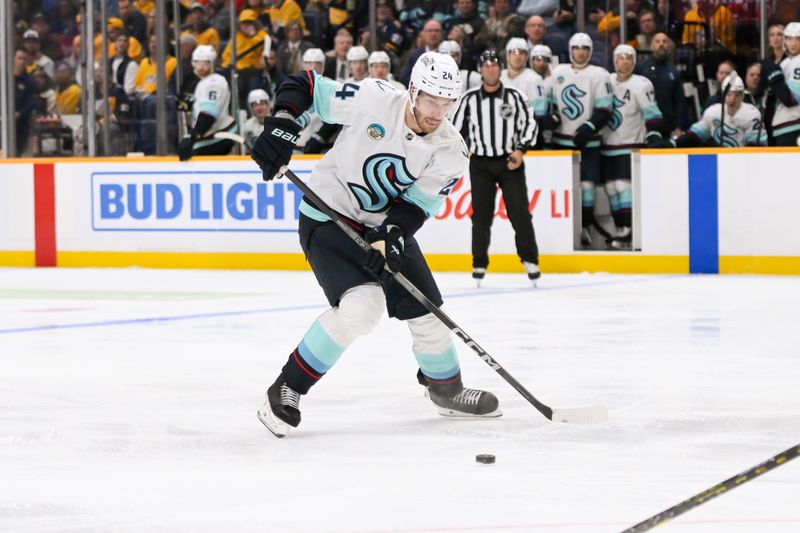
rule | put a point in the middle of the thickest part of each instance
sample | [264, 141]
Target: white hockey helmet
[314, 55]
[516, 43]
[733, 83]
[625, 50]
[449, 47]
[357, 53]
[580, 40]
[257, 95]
[378, 56]
[543, 51]
[204, 52]
[436, 74]
[791, 30]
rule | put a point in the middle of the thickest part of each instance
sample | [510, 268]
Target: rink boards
[700, 211]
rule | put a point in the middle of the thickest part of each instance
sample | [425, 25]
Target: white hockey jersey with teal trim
[377, 157]
[634, 105]
[742, 129]
[531, 85]
[212, 96]
[787, 119]
[576, 94]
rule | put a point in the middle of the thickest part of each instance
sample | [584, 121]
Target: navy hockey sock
[299, 375]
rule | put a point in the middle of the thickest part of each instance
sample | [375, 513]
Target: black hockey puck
[485, 458]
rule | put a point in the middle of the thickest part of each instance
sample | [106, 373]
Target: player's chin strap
[586, 415]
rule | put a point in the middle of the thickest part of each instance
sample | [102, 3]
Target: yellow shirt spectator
[207, 36]
[146, 77]
[145, 6]
[68, 101]
[253, 59]
[286, 11]
[722, 27]
[134, 48]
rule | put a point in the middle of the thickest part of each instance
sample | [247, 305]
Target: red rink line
[566, 525]
[44, 198]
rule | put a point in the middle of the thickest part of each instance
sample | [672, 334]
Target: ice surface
[128, 401]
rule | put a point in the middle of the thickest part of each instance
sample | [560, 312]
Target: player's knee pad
[587, 193]
[430, 335]
[359, 311]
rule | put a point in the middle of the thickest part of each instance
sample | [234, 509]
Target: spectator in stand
[198, 27]
[467, 17]
[218, 16]
[37, 59]
[336, 67]
[45, 99]
[63, 26]
[123, 68]
[541, 8]
[501, 26]
[536, 33]
[611, 21]
[271, 77]
[146, 77]
[392, 37]
[647, 29]
[68, 93]
[115, 29]
[667, 82]
[724, 70]
[135, 22]
[417, 13]
[722, 26]
[51, 45]
[249, 53]
[260, 10]
[145, 7]
[431, 37]
[752, 84]
[357, 60]
[380, 68]
[24, 93]
[291, 50]
[466, 50]
[775, 52]
[282, 12]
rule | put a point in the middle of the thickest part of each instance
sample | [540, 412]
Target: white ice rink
[128, 401]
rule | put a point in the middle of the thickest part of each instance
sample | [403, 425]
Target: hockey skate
[455, 400]
[586, 238]
[622, 240]
[478, 274]
[281, 409]
[532, 269]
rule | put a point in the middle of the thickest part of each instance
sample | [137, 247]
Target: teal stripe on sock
[318, 349]
[587, 197]
[626, 199]
[438, 366]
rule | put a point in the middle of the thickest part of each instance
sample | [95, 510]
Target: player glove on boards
[388, 245]
[274, 146]
[583, 135]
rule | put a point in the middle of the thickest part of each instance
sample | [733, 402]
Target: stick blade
[595, 414]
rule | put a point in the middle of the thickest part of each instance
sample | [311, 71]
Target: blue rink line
[474, 293]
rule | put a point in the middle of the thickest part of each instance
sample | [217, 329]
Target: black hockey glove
[583, 135]
[274, 146]
[775, 76]
[185, 148]
[388, 245]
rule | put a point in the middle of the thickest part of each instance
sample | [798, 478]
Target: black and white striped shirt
[479, 118]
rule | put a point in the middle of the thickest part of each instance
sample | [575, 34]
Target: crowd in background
[701, 41]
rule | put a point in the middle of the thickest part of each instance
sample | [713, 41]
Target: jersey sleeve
[337, 103]
[603, 93]
[755, 134]
[438, 179]
[702, 128]
[646, 98]
[540, 102]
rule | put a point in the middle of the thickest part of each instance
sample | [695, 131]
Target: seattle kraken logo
[616, 116]
[729, 140]
[571, 97]
[385, 176]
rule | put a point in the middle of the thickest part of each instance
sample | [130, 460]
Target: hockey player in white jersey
[527, 82]
[380, 66]
[541, 58]
[740, 126]
[784, 82]
[258, 102]
[581, 93]
[209, 109]
[469, 78]
[357, 58]
[635, 121]
[393, 164]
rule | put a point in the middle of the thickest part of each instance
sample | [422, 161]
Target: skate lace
[468, 396]
[289, 397]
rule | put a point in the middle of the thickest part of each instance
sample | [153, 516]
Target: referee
[498, 127]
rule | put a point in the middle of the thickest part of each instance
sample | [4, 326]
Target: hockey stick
[716, 490]
[722, 117]
[580, 415]
[235, 137]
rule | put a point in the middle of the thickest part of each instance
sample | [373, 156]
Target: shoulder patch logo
[375, 131]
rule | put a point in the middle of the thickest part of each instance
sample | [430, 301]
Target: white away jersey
[787, 119]
[634, 106]
[576, 94]
[212, 96]
[531, 85]
[376, 158]
[743, 128]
